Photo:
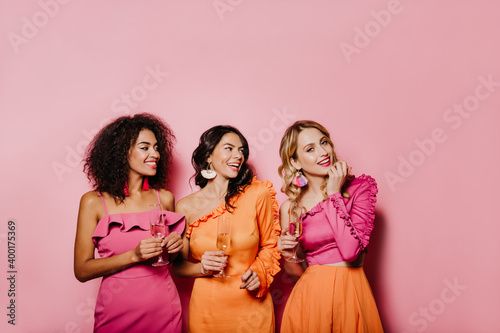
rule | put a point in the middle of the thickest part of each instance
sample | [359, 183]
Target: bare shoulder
[284, 215]
[91, 207]
[185, 206]
[285, 206]
[90, 200]
[167, 199]
[185, 202]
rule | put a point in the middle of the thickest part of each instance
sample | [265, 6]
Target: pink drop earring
[125, 189]
[299, 180]
[145, 184]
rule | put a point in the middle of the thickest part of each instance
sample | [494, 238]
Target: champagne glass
[223, 238]
[295, 228]
[158, 228]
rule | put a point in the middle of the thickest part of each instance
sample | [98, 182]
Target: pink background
[402, 86]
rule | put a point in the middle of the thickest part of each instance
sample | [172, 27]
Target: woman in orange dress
[240, 302]
[337, 211]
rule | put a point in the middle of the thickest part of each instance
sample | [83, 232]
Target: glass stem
[294, 253]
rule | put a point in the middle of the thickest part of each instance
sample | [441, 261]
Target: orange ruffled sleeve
[266, 264]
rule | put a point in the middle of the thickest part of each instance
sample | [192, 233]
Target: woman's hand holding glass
[172, 243]
[158, 229]
[147, 249]
[213, 261]
[287, 244]
[216, 261]
[153, 247]
[223, 242]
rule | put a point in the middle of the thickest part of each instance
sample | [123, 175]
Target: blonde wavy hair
[288, 150]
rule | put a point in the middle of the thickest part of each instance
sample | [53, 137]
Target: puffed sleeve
[266, 264]
[352, 229]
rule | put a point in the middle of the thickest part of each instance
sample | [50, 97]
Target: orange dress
[218, 304]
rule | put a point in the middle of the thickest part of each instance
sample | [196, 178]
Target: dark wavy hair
[106, 158]
[208, 141]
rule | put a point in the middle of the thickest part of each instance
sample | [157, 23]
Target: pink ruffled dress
[140, 298]
[331, 298]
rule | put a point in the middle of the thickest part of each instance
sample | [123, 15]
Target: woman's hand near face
[337, 175]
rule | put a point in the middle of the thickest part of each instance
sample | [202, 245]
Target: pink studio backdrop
[410, 91]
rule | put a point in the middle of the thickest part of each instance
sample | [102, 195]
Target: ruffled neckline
[127, 221]
[320, 205]
[221, 209]
[213, 214]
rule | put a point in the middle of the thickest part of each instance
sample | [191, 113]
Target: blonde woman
[337, 211]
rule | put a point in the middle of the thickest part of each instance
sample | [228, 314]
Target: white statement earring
[208, 173]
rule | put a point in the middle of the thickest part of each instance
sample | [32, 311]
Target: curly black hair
[208, 141]
[106, 158]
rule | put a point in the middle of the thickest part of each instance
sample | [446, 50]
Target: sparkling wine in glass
[158, 228]
[223, 238]
[295, 228]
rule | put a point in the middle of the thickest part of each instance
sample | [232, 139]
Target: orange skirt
[219, 305]
[331, 299]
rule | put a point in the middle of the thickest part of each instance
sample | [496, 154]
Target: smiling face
[143, 155]
[227, 157]
[314, 153]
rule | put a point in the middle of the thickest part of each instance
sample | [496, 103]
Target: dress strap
[103, 204]
[158, 195]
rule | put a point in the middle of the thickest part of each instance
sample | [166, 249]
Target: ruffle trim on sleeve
[361, 233]
[266, 269]
[348, 222]
[274, 267]
[365, 235]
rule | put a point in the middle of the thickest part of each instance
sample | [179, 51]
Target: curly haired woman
[127, 164]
